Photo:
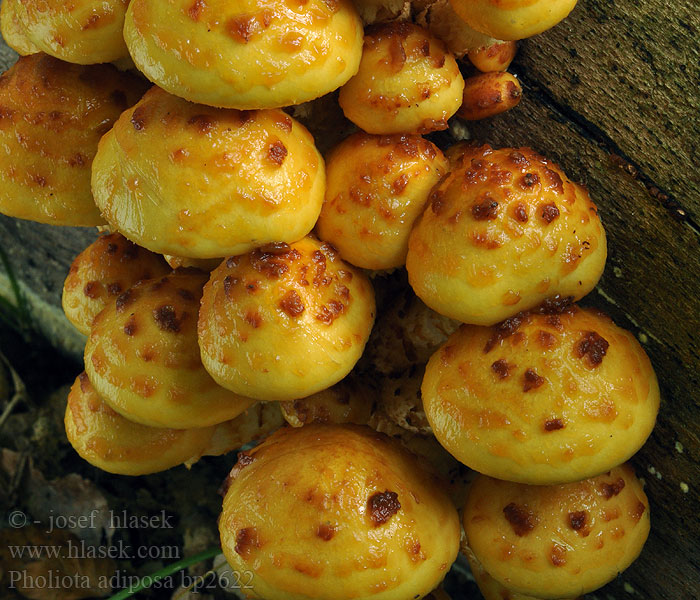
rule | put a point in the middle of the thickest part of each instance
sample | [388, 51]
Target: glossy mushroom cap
[81, 31]
[408, 82]
[557, 541]
[515, 19]
[503, 232]
[542, 398]
[490, 588]
[377, 186]
[247, 54]
[200, 182]
[52, 115]
[285, 321]
[13, 31]
[101, 272]
[107, 440]
[142, 357]
[337, 508]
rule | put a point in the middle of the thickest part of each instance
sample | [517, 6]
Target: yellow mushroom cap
[80, 31]
[246, 54]
[142, 356]
[377, 186]
[557, 541]
[107, 440]
[512, 19]
[52, 115]
[503, 232]
[490, 588]
[101, 272]
[200, 182]
[13, 31]
[341, 509]
[542, 398]
[408, 82]
[285, 321]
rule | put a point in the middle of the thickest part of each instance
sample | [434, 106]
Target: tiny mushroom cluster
[232, 294]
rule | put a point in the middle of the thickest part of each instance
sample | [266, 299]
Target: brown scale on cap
[166, 318]
[504, 330]
[276, 152]
[592, 346]
[531, 380]
[554, 424]
[124, 300]
[577, 519]
[326, 532]
[610, 490]
[549, 212]
[382, 506]
[92, 289]
[501, 368]
[521, 519]
[247, 540]
[292, 304]
[486, 210]
[130, 326]
[557, 555]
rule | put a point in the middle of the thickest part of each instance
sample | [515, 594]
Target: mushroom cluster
[233, 293]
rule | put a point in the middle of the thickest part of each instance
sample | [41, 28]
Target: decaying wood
[612, 96]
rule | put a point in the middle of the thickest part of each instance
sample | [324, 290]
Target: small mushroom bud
[361, 506]
[496, 57]
[489, 94]
[377, 186]
[545, 397]
[408, 82]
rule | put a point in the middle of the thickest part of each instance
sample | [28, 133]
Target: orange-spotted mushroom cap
[246, 54]
[200, 182]
[557, 541]
[503, 232]
[284, 321]
[143, 360]
[52, 116]
[542, 398]
[377, 186]
[107, 440]
[512, 19]
[81, 31]
[101, 272]
[365, 523]
[490, 588]
[13, 31]
[408, 82]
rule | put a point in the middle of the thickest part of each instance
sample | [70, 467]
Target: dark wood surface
[612, 96]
